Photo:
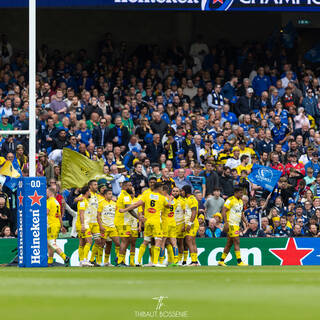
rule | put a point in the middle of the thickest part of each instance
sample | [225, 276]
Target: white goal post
[32, 92]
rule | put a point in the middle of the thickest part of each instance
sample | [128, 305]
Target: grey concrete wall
[74, 29]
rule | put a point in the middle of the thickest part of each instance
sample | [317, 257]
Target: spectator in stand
[254, 231]
[119, 134]
[5, 215]
[246, 103]
[181, 180]
[215, 98]
[6, 233]
[283, 230]
[154, 149]
[213, 204]
[212, 231]
[310, 105]
[261, 82]
[229, 90]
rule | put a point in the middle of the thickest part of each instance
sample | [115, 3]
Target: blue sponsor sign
[264, 177]
[198, 5]
[32, 222]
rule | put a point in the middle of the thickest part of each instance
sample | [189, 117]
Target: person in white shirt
[199, 49]
[301, 119]
[215, 99]
[6, 109]
[288, 78]
[235, 160]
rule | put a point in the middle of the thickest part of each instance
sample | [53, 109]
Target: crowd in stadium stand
[200, 116]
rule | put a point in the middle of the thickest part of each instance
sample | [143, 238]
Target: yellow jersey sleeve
[143, 197]
[127, 200]
[228, 203]
[192, 202]
[101, 205]
[49, 207]
[81, 205]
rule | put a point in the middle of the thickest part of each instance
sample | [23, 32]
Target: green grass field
[200, 293]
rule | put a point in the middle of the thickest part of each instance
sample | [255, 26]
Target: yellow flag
[77, 169]
[8, 170]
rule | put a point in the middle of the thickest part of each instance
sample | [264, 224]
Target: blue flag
[264, 177]
[12, 183]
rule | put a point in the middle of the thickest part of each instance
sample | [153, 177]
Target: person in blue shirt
[280, 132]
[73, 144]
[212, 231]
[219, 145]
[229, 89]
[84, 134]
[198, 182]
[314, 164]
[252, 212]
[310, 104]
[261, 82]
[246, 125]
[228, 116]
[283, 230]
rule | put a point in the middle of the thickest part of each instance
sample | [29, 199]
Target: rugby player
[54, 226]
[232, 213]
[83, 228]
[122, 220]
[169, 228]
[154, 204]
[191, 223]
[179, 218]
[105, 217]
[93, 223]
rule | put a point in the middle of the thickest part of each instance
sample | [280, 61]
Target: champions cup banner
[264, 177]
[254, 251]
[32, 222]
[183, 5]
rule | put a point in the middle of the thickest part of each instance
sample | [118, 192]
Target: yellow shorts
[172, 231]
[194, 229]
[94, 228]
[234, 231]
[53, 232]
[109, 233]
[86, 234]
[134, 233]
[124, 230]
[180, 233]
[152, 229]
[164, 228]
[168, 230]
[134, 228]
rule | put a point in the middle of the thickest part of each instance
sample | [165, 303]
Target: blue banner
[11, 182]
[200, 5]
[32, 222]
[264, 177]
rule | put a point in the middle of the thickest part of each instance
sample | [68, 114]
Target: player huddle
[167, 216]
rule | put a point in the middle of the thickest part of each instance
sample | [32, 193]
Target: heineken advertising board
[255, 251]
[178, 5]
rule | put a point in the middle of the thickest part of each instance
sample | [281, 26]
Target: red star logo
[291, 255]
[215, 1]
[20, 199]
[35, 198]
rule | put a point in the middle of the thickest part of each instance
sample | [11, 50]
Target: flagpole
[32, 88]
